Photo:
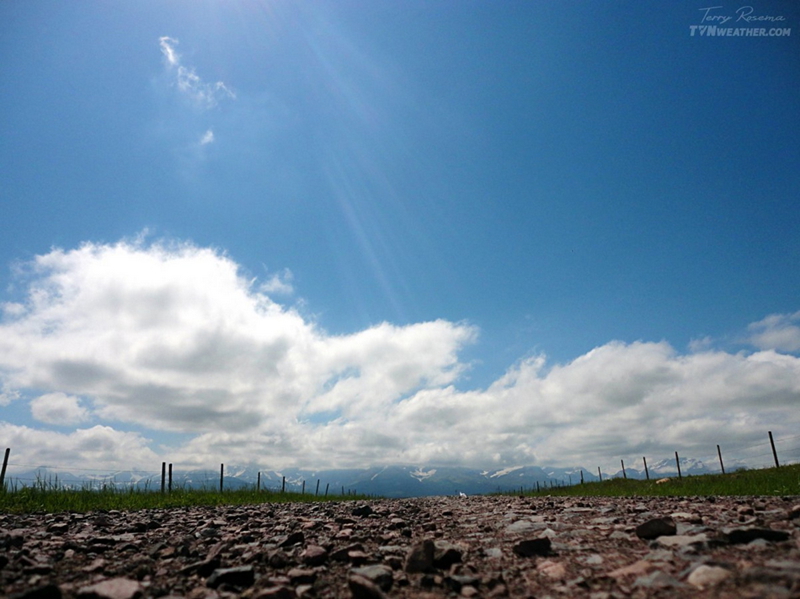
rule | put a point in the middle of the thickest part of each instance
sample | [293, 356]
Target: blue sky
[570, 203]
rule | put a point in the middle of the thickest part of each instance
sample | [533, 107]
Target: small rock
[342, 555]
[116, 588]
[533, 547]
[657, 527]
[634, 569]
[363, 588]
[657, 580]
[301, 576]
[446, 554]
[292, 539]
[314, 555]
[552, 569]
[522, 527]
[705, 576]
[746, 535]
[278, 559]
[379, 574]
[242, 576]
[362, 511]
[420, 557]
[48, 591]
[794, 513]
[280, 592]
[682, 540]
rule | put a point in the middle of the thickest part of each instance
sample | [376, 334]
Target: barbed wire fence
[60, 476]
[773, 452]
[770, 453]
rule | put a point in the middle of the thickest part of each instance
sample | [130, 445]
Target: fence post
[258, 483]
[303, 490]
[326, 488]
[163, 475]
[169, 488]
[221, 474]
[342, 491]
[3, 471]
[646, 471]
[678, 462]
[599, 474]
[537, 486]
[774, 453]
[581, 475]
[624, 475]
[316, 493]
[721, 465]
[283, 485]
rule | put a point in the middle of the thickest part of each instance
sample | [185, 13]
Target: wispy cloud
[208, 137]
[206, 95]
[279, 283]
[173, 336]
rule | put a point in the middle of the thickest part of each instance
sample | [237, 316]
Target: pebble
[657, 527]
[533, 547]
[429, 548]
[116, 588]
[708, 576]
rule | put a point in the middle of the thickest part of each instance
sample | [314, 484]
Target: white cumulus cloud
[98, 446]
[777, 331]
[175, 337]
[58, 408]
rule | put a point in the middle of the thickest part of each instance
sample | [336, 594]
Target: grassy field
[51, 498]
[769, 481]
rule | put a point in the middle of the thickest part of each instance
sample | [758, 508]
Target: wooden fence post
[316, 493]
[283, 485]
[221, 475]
[624, 475]
[326, 488]
[163, 476]
[303, 490]
[258, 483]
[169, 480]
[3, 471]
[537, 486]
[599, 474]
[646, 471]
[721, 465]
[678, 462]
[774, 453]
[581, 475]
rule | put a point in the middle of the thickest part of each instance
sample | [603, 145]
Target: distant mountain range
[384, 481]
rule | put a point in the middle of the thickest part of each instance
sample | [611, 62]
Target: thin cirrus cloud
[203, 94]
[174, 337]
[207, 138]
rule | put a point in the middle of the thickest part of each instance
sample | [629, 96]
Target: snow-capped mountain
[384, 481]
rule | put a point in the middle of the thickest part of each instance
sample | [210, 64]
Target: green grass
[49, 497]
[769, 481]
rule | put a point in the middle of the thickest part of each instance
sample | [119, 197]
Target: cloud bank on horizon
[112, 343]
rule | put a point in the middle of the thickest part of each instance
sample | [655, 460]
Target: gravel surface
[427, 547]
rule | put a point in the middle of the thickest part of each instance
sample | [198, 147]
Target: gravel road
[427, 547]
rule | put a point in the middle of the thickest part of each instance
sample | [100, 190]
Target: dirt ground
[427, 547]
